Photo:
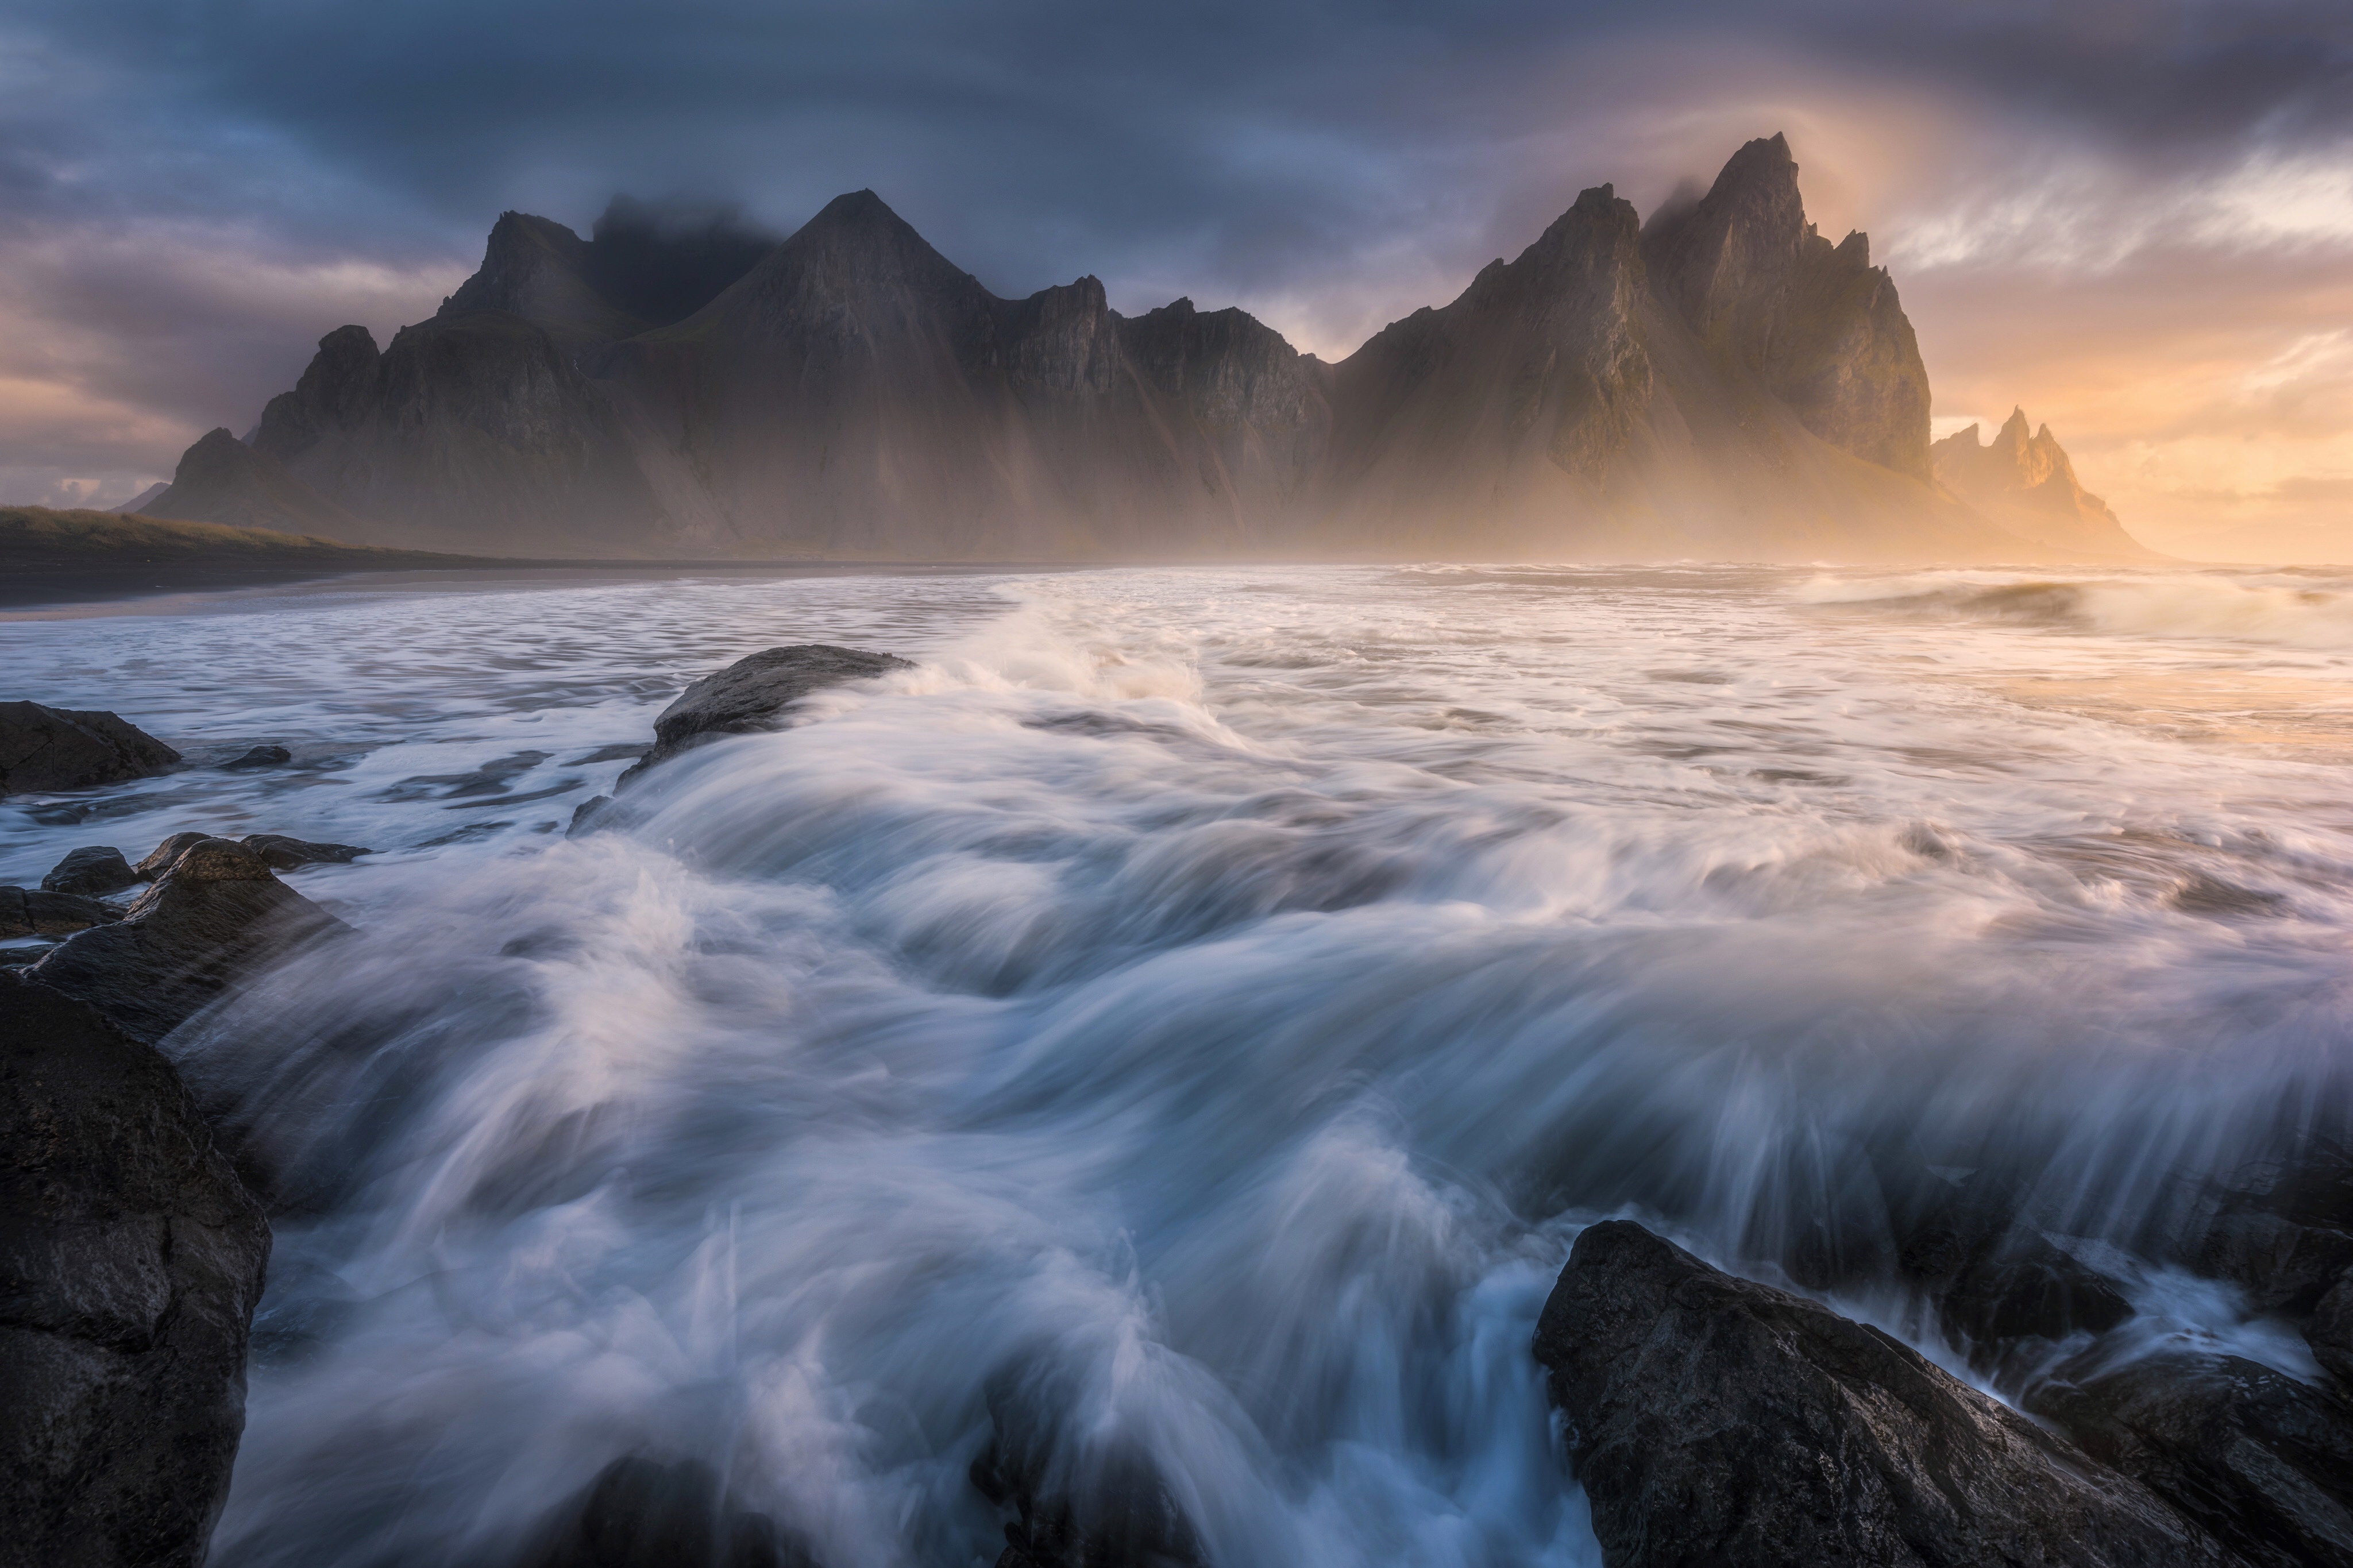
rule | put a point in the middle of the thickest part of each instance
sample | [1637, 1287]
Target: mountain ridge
[1721, 380]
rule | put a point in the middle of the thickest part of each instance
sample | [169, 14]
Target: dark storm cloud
[191, 190]
[1247, 128]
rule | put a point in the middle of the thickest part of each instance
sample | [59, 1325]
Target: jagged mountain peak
[856, 213]
[644, 268]
[2026, 482]
[1722, 378]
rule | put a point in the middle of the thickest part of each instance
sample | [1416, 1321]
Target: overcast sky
[2133, 217]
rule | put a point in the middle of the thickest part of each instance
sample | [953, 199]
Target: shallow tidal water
[1196, 1007]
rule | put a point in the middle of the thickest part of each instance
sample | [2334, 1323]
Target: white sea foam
[1197, 1009]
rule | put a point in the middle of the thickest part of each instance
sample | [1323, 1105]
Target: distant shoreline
[33, 587]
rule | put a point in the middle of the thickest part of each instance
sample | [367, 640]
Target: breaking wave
[1185, 1019]
[2275, 609]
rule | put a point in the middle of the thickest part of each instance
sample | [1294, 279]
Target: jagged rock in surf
[131, 1259]
[2027, 485]
[1715, 1420]
[221, 479]
[33, 911]
[44, 749]
[643, 1513]
[2001, 1289]
[2329, 1332]
[588, 816]
[92, 870]
[213, 915]
[2260, 1461]
[2281, 1228]
[159, 860]
[283, 854]
[752, 694]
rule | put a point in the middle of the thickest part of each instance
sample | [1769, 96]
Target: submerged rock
[2282, 1228]
[214, 914]
[1085, 1494]
[2262, 1461]
[131, 1259]
[748, 696]
[262, 757]
[2330, 1332]
[1113, 1511]
[44, 749]
[284, 854]
[641, 1513]
[588, 816]
[92, 870]
[1716, 1421]
[28, 911]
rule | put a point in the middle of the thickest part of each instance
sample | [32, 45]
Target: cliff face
[1812, 325]
[222, 480]
[1725, 382]
[2026, 483]
[858, 393]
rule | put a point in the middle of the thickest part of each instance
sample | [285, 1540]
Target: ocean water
[1193, 1012]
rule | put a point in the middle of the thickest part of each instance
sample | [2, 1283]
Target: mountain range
[1720, 381]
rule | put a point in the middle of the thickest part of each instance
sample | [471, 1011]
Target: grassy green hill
[49, 557]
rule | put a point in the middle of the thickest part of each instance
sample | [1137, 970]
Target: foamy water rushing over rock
[1187, 1018]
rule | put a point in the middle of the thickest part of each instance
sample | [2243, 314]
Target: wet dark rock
[2022, 1288]
[750, 695]
[1712, 1420]
[1114, 1510]
[262, 757]
[2281, 1227]
[131, 1259]
[586, 818]
[62, 748]
[214, 915]
[160, 858]
[641, 1513]
[2330, 1330]
[489, 778]
[2262, 1461]
[26, 911]
[92, 870]
[283, 854]
[620, 752]
[2284, 1267]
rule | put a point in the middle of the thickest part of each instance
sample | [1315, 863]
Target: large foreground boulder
[1716, 1421]
[2262, 1461]
[213, 915]
[44, 749]
[751, 695]
[131, 1259]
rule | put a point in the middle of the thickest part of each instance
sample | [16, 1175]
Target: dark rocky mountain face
[222, 480]
[1813, 325]
[1724, 381]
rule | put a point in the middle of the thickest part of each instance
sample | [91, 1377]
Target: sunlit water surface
[1205, 1004]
